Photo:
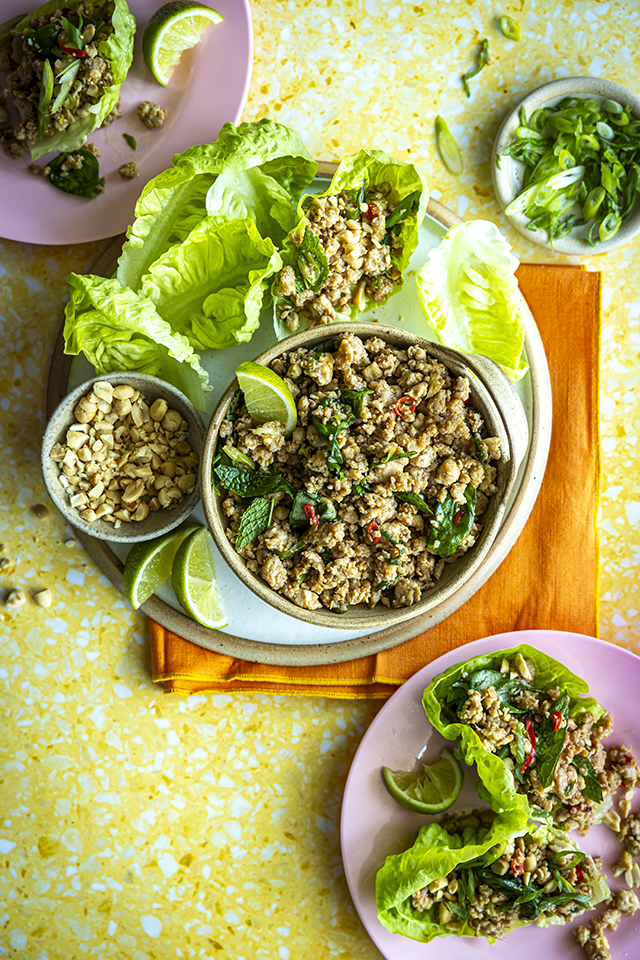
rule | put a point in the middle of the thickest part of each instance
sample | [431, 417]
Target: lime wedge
[432, 791]
[173, 28]
[193, 578]
[266, 395]
[149, 563]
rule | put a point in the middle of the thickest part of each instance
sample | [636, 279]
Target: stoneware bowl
[507, 178]
[154, 524]
[500, 406]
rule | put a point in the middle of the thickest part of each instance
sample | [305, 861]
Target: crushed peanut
[15, 599]
[43, 598]
[123, 458]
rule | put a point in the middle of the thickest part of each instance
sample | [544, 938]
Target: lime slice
[173, 28]
[148, 564]
[193, 578]
[433, 791]
[266, 395]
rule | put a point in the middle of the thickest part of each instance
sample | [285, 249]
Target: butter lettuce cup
[482, 875]
[527, 723]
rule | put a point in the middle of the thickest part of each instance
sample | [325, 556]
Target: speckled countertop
[139, 826]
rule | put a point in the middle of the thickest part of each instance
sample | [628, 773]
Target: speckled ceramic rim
[61, 419]
[490, 395]
[507, 175]
[531, 475]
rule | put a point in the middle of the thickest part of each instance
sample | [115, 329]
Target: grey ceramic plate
[507, 178]
[258, 632]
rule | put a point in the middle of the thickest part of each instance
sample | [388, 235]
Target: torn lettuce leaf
[177, 200]
[442, 698]
[210, 287]
[116, 49]
[118, 330]
[467, 293]
[435, 854]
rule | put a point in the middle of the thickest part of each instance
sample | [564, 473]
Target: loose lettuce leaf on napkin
[118, 330]
[434, 855]
[497, 780]
[210, 287]
[467, 293]
[408, 195]
[175, 201]
[116, 49]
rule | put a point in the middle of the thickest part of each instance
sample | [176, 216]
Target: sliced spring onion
[483, 59]
[448, 148]
[510, 28]
[44, 101]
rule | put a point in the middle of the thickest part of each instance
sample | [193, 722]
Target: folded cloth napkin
[549, 580]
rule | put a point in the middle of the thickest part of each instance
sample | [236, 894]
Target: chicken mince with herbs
[559, 762]
[382, 481]
[533, 878]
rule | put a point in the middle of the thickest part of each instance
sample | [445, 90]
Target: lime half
[174, 28]
[149, 563]
[266, 395]
[431, 791]
[193, 578]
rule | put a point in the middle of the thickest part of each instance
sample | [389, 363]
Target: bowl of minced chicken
[386, 496]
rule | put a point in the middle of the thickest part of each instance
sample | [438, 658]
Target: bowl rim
[555, 90]
[379, 617]
[56, 427]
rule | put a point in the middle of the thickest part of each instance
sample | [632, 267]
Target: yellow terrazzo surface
[139, 826]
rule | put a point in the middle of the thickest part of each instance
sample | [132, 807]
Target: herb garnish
[416, 499]
[254, 521]
[331, 431]
[452, 523]
[130, 140]
[311, 262]
[252, 483]
[83, 182]
[592, 789]
[551, 742]
[324, 509]
[356, 399]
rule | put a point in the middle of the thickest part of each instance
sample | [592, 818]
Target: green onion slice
[510, 28]
[448, 148]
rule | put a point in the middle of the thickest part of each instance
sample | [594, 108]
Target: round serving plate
[252, 622]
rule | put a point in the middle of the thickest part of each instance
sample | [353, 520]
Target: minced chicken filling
[384, 477]
[544, 873]
[358, 249]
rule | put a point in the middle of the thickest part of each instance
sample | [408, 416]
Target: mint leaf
[254, 521]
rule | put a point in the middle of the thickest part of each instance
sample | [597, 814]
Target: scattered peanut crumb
[42, 597]
[6, 563]
[40, 511]
[15, 599]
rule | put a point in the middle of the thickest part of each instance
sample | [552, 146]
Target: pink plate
[208, 87]
[374, 826]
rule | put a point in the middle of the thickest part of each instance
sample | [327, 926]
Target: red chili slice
[556, 719]
[78, 54]
[456, 519]
[371, 213]
[311, 514]
[517, 866]
[532, 738]
[405, 406]
[579, 874]
[374, 531]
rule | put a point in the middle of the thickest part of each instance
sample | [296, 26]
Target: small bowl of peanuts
[120, 457]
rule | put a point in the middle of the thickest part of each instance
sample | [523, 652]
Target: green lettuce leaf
[210, 287]
[360, 172]
[116, 49]
[175, 201]
[433, 856]
[118, 330]
[251, 193]
[498, 782]
[467, 293]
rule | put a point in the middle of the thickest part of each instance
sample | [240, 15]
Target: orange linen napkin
[548, 580]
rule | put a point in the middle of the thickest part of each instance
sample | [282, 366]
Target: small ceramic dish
[156, 522]
[507, 178]
[493, 395]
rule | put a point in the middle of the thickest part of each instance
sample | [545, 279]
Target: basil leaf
[416, 500]
[452, 523]
[403, 210]
[324, 508]
[592, 789]
[85, 182]
[392, 455]
[251, 483]
[577, 856]
[361, 488]
[311, 261]
[132, 142]
[232, 409]
[330, 431]
[44, 101]
[356, 399]
[73, 33]
[550, 742]
[254, 521]
[479, 451]
[45, 40]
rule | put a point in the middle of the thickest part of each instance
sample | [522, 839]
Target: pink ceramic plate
[208, 87]
[374, 825]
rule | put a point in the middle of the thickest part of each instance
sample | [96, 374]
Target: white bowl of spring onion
[565, 166]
